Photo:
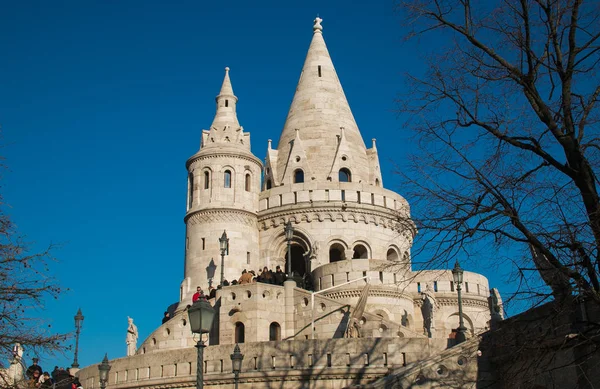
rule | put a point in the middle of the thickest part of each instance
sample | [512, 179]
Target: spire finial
[317, 26]
[226, 69]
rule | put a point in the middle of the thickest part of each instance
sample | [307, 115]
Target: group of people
[60, 377]
[265, 275]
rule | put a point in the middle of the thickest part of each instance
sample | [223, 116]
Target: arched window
[269, 184]
[274, 331]
[392, 255]
[227, 178]
[377, 182]
[247, 182]
[336, 252]
[240, 332]
[345, 175]
[360, 252]
[191, 191]
[206, 180]
[298, 176]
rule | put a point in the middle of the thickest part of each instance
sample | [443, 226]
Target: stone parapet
[333, 363]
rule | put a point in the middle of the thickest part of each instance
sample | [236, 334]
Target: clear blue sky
[102, 102]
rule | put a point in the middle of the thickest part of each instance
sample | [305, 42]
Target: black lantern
[104, 368]
[457, 274]
[236, 363]
[78, 321]
[461, 331]
[201, 315]
[289, 234]
[224, 246]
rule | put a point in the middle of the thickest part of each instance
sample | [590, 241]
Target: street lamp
[461, 331]
[224, 246]
[289, 234]
[104, 368]
[201, 315]
[236, 363]
[78, 321]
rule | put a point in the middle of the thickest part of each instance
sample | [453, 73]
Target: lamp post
[201, 315]
[104, 368]
[78, 321]
[289, 234]
[236, 363]
[224, 246]
[461, 331]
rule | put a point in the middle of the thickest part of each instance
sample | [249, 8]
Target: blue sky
[102, 102]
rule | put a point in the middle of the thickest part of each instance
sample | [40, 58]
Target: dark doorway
[298, 263]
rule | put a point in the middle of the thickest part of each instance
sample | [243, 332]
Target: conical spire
[318, 110]
[225, 129]
[226, 106]
[226, 88]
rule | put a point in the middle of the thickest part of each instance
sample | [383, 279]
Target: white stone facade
[347, 226]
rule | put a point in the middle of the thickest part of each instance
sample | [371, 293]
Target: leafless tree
[506, 139]
[24, 285]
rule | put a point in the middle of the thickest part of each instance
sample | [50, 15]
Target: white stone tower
[223, 186]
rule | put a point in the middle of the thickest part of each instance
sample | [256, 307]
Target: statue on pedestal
[428, 311]
[132, 337]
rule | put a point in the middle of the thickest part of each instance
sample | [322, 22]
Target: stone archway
[299, 263]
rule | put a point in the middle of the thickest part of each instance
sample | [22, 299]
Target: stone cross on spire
[317, 26]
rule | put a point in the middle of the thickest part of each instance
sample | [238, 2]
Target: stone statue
[353, 329]
[132, 337]
[496, 308]
[428, 311]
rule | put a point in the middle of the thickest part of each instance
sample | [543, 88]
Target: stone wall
[322, 364]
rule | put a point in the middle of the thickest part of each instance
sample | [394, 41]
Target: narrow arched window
[274, 331]
[377, 182]
[269, 184]
[298, 176]
[191, 190]
[227, 179]
[240, 332]
[247, 182]
[206, 180]
[345, 175]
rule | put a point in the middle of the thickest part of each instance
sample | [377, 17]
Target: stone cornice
[220, 154]
[272, 218]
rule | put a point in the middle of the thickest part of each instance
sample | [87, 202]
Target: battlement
[350, 193]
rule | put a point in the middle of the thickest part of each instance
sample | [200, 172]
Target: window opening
[319, 67]
[274, 331]
[240, 332]
[298, 176]
[227, 179]
[247, 184]
[269, 184]
[206, 180]
[345, 175]
[435, 286]
[227, 103]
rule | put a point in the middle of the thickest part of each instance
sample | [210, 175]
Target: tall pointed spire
[225, 128]
[226, 106]
[318, 110]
